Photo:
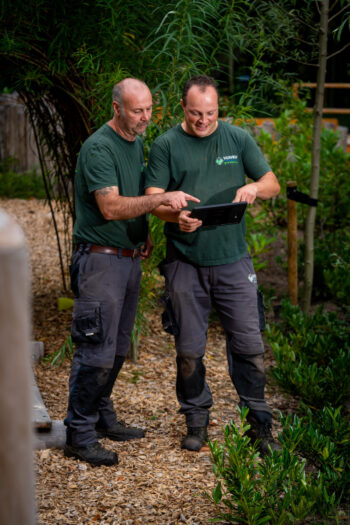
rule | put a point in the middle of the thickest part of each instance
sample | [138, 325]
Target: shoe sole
[101, 435]
[194, 448]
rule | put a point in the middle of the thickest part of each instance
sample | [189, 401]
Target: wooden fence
[16, 134]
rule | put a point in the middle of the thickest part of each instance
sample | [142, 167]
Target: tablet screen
[218, 214]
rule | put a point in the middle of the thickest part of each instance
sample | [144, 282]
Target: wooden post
[16, 433]
[292, 248]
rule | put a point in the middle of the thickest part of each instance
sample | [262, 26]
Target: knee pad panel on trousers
[190, 378]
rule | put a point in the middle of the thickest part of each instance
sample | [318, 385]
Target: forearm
[115, 207]
[166, 214]
[123, 208]
[163, 212]
[264, 188]
[267, 186]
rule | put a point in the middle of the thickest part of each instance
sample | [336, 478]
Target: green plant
[276, 490]
[337, 274]
[66, 351]
[312, 354]
[136, 376]
[20, 185]
[324, 438]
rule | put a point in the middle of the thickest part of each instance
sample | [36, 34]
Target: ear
[182, 104]
[116, 108]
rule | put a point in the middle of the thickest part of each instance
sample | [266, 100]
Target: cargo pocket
[87, 322]
[168, 318]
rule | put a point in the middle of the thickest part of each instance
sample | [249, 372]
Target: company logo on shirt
[228, 159]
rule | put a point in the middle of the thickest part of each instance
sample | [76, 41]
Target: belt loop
[119, 253]
[87, 248]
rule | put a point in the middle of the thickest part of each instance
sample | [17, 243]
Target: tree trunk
[315, 159]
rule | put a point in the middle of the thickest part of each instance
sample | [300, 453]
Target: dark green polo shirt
[212, 169]
[106, 159]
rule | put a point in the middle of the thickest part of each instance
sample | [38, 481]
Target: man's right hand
[188, 224]
[178, 199]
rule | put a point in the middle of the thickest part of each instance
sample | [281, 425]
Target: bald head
[126, 86]
[132, 108]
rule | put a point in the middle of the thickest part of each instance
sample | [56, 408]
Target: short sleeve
[254, 162]
[157, 172]
[99, 168]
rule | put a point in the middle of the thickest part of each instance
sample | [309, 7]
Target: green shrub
[259, 237]
[20, 186]
[275, 490]
[336, 273]
[312, 354]
[323, 437]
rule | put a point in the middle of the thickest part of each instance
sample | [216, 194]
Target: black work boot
[120, 432]
[94, 454]
[195, 439]
[260, 432]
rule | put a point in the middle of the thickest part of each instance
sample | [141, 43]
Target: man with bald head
[212, 266]
[110, 237]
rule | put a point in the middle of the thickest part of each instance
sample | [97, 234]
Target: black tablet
[217, 214]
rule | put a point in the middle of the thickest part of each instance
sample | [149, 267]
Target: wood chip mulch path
[155, 481]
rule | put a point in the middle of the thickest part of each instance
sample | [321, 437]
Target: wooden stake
[16, 433]
[292, 248]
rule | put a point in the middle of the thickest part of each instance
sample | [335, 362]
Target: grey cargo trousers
[232, 290]
[103, 318]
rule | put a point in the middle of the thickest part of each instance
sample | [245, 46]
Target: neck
[113, 123]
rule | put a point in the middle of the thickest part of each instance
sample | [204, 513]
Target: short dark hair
[202, 81]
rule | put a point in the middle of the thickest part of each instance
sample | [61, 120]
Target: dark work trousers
[232, 290]
[103, 318]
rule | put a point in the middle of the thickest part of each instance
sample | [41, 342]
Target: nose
[146, 114]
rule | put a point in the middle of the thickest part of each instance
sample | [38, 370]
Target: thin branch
[318, 7]
[339, 51]
[305, 41]
[338, 13]
[304, 63]
[42, 167]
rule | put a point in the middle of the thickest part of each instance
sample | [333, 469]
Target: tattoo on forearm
[104, 191]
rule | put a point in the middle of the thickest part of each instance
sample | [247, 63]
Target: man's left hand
[146, 250]
[247, 193]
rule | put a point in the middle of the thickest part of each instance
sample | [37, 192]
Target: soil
[155, 481]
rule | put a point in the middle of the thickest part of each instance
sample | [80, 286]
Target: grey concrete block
[53, 438]
[36, 350]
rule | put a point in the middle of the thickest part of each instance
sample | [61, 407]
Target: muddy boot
[94, 454]
[196, 438]
[120, 432]
[260, 432]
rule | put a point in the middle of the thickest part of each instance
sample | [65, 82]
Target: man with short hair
[206, 266]
[110, 237]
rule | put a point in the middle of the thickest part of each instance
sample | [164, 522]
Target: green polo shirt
[212, 169]
[106, 159]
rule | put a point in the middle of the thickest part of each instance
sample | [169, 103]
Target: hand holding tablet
[219, 214]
